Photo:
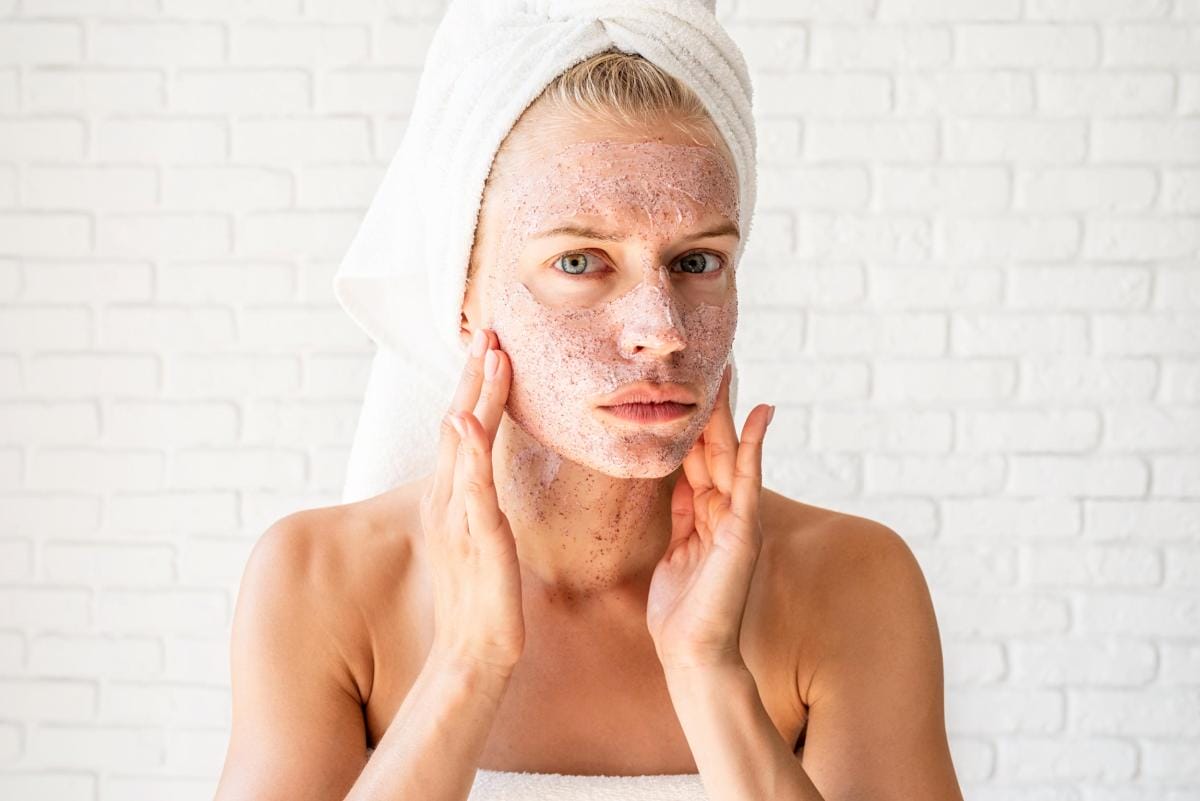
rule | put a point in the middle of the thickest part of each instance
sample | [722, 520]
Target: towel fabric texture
[504, 785]
[510, 786]
[403, 278]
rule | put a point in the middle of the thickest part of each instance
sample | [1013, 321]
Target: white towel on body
[403, 278]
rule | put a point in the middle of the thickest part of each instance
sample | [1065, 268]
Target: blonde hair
[614, 87]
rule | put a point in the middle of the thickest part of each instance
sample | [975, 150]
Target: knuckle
[478, 487]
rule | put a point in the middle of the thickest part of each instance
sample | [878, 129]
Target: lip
[645, 413]
[644, 392]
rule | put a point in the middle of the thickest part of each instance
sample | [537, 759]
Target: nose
[650, 320]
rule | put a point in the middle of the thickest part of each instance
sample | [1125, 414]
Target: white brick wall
[972, 290]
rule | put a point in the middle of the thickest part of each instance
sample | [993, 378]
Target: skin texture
[588, 495]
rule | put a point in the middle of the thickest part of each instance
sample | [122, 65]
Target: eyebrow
[726, 228]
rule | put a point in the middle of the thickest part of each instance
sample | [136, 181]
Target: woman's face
[648, 295]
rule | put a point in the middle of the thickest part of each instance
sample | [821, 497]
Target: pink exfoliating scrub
[573, 340]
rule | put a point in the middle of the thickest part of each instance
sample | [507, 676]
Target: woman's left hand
[699, 588]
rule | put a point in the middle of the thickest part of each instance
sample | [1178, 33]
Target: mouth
[664, 412]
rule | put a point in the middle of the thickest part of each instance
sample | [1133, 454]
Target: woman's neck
[581, 535]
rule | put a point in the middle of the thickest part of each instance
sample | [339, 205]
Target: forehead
[653, 181]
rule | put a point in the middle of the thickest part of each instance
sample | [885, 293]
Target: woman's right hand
[478, 616]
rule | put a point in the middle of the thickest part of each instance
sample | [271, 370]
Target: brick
[1158, 334]
[1161, 520]
[974, 567]
[177, 611]
[127, 43]
[1087, 662]
[46, 233]
[958, 10]
[965, 189]
[165, 235]
[1015, 334]
[942, 381]
[879, 47]
[172, 424]
[1105, 94]
[1048, 565]
[150, 513]
[230, 91]
[843, 429]
[226, 283]
[35, 42]
[373, 90]
[834, 95]
[1048, 377]
[1093, 759]
[86, 375]
[1029, 45]
[31, 328]
[169, 328]
[942, 475]
[904, 334]
[1110, 190]
[934, 287]
[1159, 428]
[1032, 141]
[872, 141]
[1174, 46]
[1032, 430]
[974, 93]
[90, 469]
[49, 422]
[101, 188]
[278, 44]
[1094, 476]
[1000, 519]
[173, 141]
[95, 655]
[1133, 613]
[87, 282]
[1153, 712]
[111, 747]
[1004, 710]
[1094, 288]
[27, 513]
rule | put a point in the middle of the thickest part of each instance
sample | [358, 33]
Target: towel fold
[403, 277]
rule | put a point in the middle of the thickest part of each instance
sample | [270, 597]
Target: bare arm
[432, 747]
[298, 731]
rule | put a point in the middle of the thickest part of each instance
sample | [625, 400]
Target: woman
[582, 586]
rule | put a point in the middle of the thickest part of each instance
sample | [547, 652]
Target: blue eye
[576, 263]
[694, 262]
[573, 263]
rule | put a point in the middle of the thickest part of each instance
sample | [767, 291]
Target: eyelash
[718, 256]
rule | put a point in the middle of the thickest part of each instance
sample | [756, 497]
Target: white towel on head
[403, 278]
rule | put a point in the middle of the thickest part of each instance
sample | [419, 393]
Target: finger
[721, 439]
[490, 407]
[474, 481]
[747, 480]
[696, 470]
[683, 511]
[465, 396]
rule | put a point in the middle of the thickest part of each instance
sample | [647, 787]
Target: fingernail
[490, 363]
[771, 415]
[478, 343]
[458, 426]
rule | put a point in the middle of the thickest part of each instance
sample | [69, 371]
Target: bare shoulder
[348, 561]
[837, 572]
[869, 662]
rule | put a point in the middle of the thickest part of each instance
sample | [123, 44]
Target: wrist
[472, 674]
